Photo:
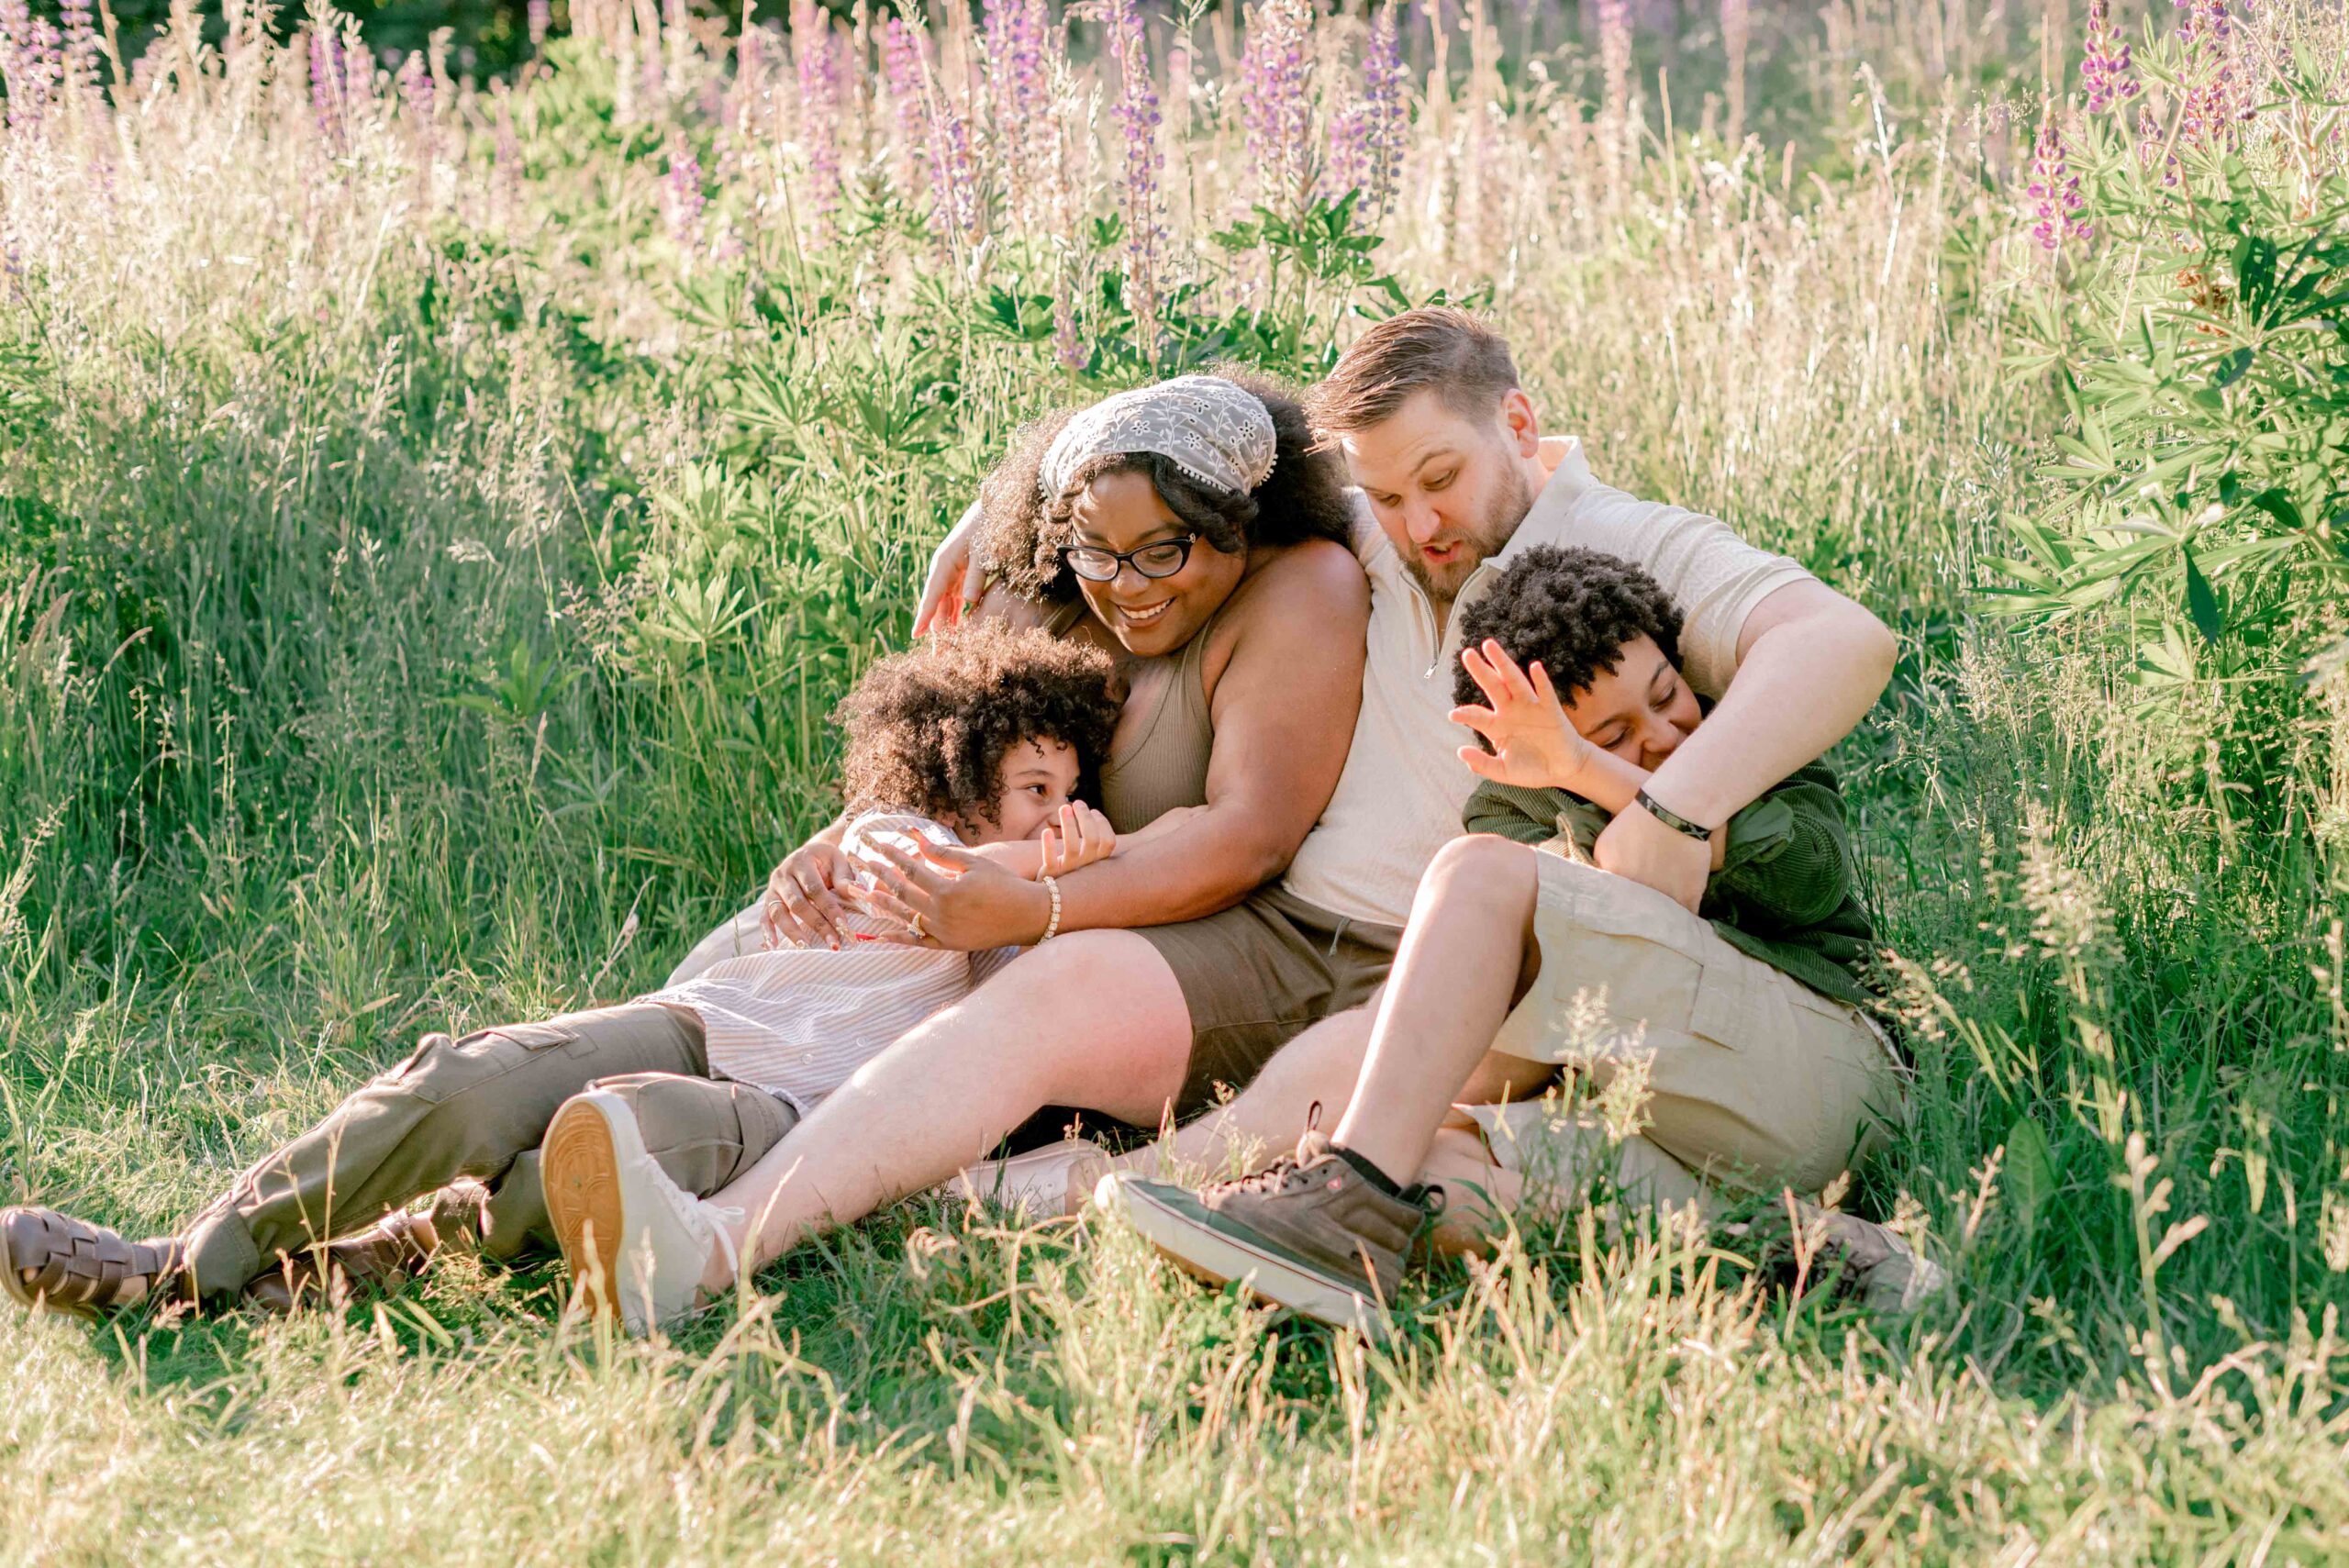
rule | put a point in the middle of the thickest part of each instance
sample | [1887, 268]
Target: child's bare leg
[1466, 956]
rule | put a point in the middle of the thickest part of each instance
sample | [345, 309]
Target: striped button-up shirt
[799, 1022]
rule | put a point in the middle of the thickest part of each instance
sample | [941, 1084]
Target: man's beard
[1484, 538]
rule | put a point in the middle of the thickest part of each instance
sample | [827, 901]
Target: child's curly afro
[1573, 610]
[927, 728]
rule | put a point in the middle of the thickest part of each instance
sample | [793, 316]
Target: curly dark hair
[1572, 609]
[927, 728]
[1023, 530]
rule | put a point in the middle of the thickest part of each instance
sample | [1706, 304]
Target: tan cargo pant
[1744, 1075]
[478, 1107]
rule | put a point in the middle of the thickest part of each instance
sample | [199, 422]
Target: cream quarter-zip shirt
[1399, 797]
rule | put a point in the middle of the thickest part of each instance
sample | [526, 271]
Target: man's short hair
[1437, 348]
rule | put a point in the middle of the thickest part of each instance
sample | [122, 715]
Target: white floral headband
[1215, 430]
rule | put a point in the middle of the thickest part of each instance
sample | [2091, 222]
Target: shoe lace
[1274, 1177]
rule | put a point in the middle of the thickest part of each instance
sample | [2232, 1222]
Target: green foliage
[2201, 503]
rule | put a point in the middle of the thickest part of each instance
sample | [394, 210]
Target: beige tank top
[1158, 759]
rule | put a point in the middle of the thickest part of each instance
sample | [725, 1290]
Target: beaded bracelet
[1053, 925]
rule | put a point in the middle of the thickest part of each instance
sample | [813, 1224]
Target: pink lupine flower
[326, 86]
[902, 72]
[682, 194]
[1615, 57]
[2104, 61]
[539, 19]
[2054, 192]
[822, 96]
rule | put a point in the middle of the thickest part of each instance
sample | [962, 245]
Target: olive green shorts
[1257, 973]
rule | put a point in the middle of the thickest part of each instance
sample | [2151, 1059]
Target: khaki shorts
[1748, 1073]
[1255, 975]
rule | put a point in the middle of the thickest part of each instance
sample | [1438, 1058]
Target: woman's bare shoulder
[1317, 575]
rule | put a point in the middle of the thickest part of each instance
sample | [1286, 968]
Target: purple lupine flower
[2104, 61]
[902, 72]
[2208, 34]
[416, 86]
[954, 209]
[80, 57]
[2054, 192]
[1366, 138]
[1136, 113]
[681, 192]
[1276, 78]
[1383, 77]
[1068, 344]
[31, 63]
[1013, 35]
[325, 86]
[821, 101]
[540, 14]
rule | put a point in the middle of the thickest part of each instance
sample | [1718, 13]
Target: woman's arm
[1283, 712]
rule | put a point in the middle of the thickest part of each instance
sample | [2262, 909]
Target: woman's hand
[950, 898]
[953, 583]
[802, 904]
[1533, 746]
[1081, 836]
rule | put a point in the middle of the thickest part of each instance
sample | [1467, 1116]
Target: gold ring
[915, 926]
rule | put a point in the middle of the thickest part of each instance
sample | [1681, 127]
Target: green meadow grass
[427, 559]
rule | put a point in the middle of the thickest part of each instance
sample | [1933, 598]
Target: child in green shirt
[1737, 1023]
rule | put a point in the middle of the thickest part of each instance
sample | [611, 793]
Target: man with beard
[1457, 482]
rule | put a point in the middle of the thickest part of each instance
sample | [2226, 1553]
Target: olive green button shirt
[1783, 894]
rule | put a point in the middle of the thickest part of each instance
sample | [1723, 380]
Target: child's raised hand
[1080, 837]
[1533, 746]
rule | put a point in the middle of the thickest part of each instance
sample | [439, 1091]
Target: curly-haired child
[978, 739]
[1733, 1036]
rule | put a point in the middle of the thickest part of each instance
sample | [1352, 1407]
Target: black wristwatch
[1673, 819]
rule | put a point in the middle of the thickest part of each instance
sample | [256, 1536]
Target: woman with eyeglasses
[1190, 528]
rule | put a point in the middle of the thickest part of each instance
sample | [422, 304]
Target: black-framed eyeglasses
[1096, 564]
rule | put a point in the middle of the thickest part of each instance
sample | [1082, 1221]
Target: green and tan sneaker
[1312, 1233]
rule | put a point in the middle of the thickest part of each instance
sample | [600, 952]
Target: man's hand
[1533, 746]
[1081, 836]
[802, 905]
[1638, 845]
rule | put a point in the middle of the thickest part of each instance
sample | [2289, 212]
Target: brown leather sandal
[52, 1261]
[394, 1250]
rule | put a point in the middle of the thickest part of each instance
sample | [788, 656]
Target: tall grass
[438, 518]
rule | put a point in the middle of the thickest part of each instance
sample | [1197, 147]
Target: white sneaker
[1047, 1184]
[628, 1231]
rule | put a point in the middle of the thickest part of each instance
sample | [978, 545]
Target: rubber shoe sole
[1218, 1256]
[580, 1169]
[615, 1223]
